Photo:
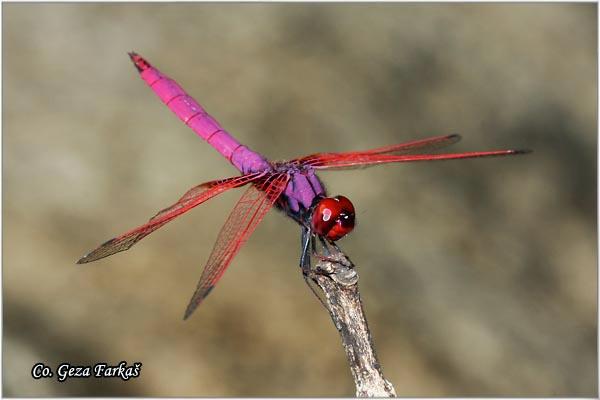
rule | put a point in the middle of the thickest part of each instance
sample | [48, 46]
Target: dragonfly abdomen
[193, 115]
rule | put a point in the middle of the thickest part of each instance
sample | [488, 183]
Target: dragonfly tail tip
[138, 61]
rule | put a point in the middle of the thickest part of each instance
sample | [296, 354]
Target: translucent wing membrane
[428, 144]
[403, 152]
[432, 143]
[343, 161]
[242, 221]
[193, 197]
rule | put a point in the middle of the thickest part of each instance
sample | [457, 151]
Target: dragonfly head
[333, 217]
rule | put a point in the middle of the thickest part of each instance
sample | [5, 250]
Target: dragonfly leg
[335, 246]
[325, 245]
[325, 255]
[328, 245]
[305, 242]
[347, 262]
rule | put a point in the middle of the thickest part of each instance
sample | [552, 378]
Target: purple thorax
[303, 187]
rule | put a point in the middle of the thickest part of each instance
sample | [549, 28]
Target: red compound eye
[333, 217]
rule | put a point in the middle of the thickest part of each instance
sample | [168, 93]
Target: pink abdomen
[193, 115]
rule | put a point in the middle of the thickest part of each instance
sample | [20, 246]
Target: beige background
[478, 276]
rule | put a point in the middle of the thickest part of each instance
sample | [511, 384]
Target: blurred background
[478, 276]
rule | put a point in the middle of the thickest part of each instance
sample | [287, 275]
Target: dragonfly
[290, 186]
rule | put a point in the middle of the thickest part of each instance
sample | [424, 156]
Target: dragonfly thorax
[302, 189]
[333, 217]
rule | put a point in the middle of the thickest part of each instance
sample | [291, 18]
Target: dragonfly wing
[345, 161]
[248, 212]
[193, 197]
[432, 143]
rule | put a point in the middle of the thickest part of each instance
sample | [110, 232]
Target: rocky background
[479, 277]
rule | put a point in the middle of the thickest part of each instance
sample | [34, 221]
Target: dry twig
[339, 282]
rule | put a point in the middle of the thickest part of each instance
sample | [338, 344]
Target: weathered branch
[339, 282]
